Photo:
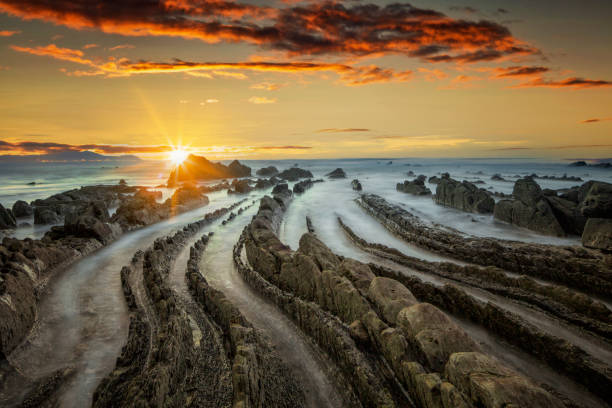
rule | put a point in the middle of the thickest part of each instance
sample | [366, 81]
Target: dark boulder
[597, 201]
[338, 173]
[294, 174]
[567, 213]
[280, 189]
[6, 218]
[531, 209]
[302, 186]
[463, 196]
[356, 185]
[22, 209]
[267, 171]
[198, 168]
[497, 177]
[416, 187]
[598, 234]
[45, 216]
[434, 180]
[92, 222]
[240, 187]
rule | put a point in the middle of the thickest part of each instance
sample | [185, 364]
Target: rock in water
[416, 186]
[294, 174]
[338, 173]
[463, 196]
[597, 202]
[6, 218]
[267, 171]
[530, 209]
[240, 187]
[45, 216]
[198, 168]
[598, 234]
[356, 185]
[22, 209]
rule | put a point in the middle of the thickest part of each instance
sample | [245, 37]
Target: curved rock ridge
[563, 355]
[574, 307]
[198, 168]
[572, 266]
[26, 265]
[175, 358]
[391, 349]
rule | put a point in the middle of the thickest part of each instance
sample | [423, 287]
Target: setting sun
[178, 156]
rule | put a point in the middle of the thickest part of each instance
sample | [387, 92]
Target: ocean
[378, 176]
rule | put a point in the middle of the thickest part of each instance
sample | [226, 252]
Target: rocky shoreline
[420, 356]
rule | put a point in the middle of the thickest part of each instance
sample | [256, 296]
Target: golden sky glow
[500, 78]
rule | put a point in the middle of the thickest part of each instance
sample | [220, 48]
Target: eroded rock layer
[391, 348]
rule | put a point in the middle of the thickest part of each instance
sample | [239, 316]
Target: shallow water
[218, 268]
[83, 315]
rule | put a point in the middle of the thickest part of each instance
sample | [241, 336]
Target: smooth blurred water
[377, 176]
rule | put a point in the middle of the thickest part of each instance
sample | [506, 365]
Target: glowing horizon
[482, 79]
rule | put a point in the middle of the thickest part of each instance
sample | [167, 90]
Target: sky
[307, 79]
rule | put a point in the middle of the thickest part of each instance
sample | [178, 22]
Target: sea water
[378, 176]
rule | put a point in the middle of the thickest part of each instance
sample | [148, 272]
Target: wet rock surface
[396, 350]
[267, 171]
[7, 220]
[26, 265]
[356, 185]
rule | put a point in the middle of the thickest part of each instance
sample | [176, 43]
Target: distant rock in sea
[267, 171]
[198, 168]
[294, 174]
[338, 173]
[603, 165]
[356, 185]
[415, 187]
[463, 196]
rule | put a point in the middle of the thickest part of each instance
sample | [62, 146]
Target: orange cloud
[326, 27]
[342, 130]
[267, 86]
[519, 71]
[572, 83]
[9, 33]
[348, 75]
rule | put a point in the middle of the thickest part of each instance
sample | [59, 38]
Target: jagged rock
[597, 201]
[302, 186]
[530, 210]
[338, 173]
[6, 218]
[22, 209]
[198, 168]
[45, 216]
[567, 214]
[356, 185]
[489, 384]
[240, 187]
[267, 171]
[598, 234]
[294, 174]
[463, 196]
[262, 184]
[497, 177]
[281, 188]
[92, 223]
[324, 258]
[416, 187]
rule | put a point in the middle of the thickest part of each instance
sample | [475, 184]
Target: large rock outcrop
[198, 168]
[7, 220]
[598, 234]
[463, 196]
[530, 209]
[267, 171]
[294, 174]
[336, 174]
[22, 209]
[416, 187]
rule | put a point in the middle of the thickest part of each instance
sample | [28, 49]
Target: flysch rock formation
[464, 196]
[391, 348]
